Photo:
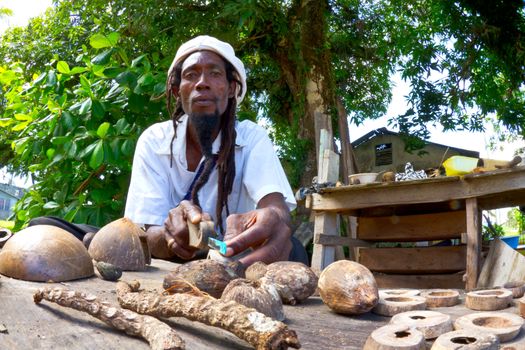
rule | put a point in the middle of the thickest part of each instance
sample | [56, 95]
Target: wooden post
[325, 222]
[473, 213]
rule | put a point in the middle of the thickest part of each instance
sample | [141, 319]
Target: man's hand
[172, 238]
[266, 230]
[177, 228]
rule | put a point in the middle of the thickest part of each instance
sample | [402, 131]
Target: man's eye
[216, 73]
[190, 75]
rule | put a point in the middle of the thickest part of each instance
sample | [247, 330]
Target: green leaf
[51, 78]
[6, 122]
[113, 38]
[126, 78]
[99, 41]
[51, 205]
[77, 70]
[97, 157]
[63, 67]
[22, 117]
[103, 129]
[103, 57]
[85, 107]
[50, 153]
[97, 109]
[121, 124]
[127, 147]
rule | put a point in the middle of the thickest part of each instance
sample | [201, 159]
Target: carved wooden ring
[488, 300]
[466, 338]
[390, 306]
[441, 297]
[504, 325]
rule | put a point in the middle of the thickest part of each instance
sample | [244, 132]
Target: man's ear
[175, 91]
[233, 89]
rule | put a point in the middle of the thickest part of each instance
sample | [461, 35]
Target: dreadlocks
[225, 159]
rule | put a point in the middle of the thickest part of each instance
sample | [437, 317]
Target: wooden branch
[86, 182]
[257, 329]
[159, 335]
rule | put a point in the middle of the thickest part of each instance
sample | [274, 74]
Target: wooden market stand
[418, 210]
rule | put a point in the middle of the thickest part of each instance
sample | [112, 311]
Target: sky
[23, 10]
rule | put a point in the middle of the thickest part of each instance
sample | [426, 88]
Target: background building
[9, 194]
[384, 150]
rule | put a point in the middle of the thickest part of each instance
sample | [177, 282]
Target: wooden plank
[50, 326]
[326, 223]
[323, 239]
[447, 281]
[502, 264]
[494, 190]
[473, 242]
[413, 260]
[324, 255]
[412, 227]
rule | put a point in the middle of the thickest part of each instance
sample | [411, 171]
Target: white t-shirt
[156, 188]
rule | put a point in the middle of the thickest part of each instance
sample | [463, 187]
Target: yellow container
[459, 165]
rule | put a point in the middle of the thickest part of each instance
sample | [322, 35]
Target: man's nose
[202, 83]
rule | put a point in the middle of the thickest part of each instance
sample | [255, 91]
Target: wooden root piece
[504, 325]
[159, 335]
[463, 339]
[488, 300]
[246, 323]
[390, 306]
[441, 297]
[431, 323]
[395, 337]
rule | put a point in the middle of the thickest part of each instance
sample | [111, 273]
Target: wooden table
[473, 192]
[50, 326]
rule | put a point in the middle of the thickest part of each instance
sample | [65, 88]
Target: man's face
[204, 88]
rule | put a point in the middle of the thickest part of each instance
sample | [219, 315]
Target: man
[204, 164]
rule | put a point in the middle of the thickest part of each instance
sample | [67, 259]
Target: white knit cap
[208, 43]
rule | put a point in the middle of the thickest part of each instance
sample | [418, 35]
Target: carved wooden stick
[246, 323]
[159, 335]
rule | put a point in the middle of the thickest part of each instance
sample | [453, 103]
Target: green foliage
[75, 127]
[492, 231]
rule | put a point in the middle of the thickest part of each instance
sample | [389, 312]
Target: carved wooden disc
[390, 306]
[395, 337]
[384, 293]
[441, 297]
[504, 325]
[431, 323]
[488, 300]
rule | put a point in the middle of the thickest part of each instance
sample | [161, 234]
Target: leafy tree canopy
[79, 84]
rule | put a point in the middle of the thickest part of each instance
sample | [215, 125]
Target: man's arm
[266, 230]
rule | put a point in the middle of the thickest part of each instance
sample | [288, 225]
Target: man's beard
[205, 124]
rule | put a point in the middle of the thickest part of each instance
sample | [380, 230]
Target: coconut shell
[256, 270]
[118, 243]
[209, 276]
[294, 281]
[260, 295]
[45, 253]
[348, 287]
